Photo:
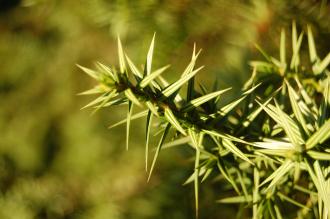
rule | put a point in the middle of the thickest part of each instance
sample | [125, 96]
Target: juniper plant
[271, 144]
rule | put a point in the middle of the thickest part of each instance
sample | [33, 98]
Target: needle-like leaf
[191, 83]
[323, 64]
[311, 45]
[323, 186]
[176, 85]
[282, 48]
[109, 96]
[121, 56]
[119, 101]
[105, 69]
[274, 145]
[148, 128]
[159, 147]
[236, 199]
[94, 74]
[201, 100]
[131, 96]
[152, 107]
[325, 104]
[149, 56]
[150, 77]
[177, 142]
[292, 201]
[311, 106]
[290, 127]
[133, 117]
[278, 212]
[232, 147]
[296, 48]
[224, 171]
[250, 118]
[319, 155]
[96, 90]
[295, 57]
[255, 195]
[278, 175]
[221, 135]
[128, 122]
[319, 136]
[296, 108]
[263, 52]
[97, 100]
[173, 120]
[195, 140]
[133, 68]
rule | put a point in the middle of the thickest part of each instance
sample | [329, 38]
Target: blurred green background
[57, 161]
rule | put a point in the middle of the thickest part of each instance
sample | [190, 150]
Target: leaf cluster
[270, 145]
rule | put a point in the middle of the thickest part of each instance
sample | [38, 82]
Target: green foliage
[270, 145]
[58, 162]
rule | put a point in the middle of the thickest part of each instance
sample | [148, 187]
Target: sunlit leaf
[133, 68]
[296, 108]
[296, 48]
[133, 117]
[278, 175]
[323, 185]
[176, 85]
[131, 96]
[109, 96]
[275, 145]
[285, 122]
[96, 90]
[94, 74]
[323, 64]
[105, 69]
[290, 127]
[121, 56]
[201, 100]
[280, 145]
[152, 76]
[149, 56]
[191, 83]
[191, 65]
[319, 136]
[177, 142]
[236, 199]
[119, 101]
[232, 147]
[319, 155]
[312, 109]
[152, 107]
[100, 99]
[173, 120]
[311, 45]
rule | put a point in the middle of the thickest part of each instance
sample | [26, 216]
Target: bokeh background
[57, 161]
